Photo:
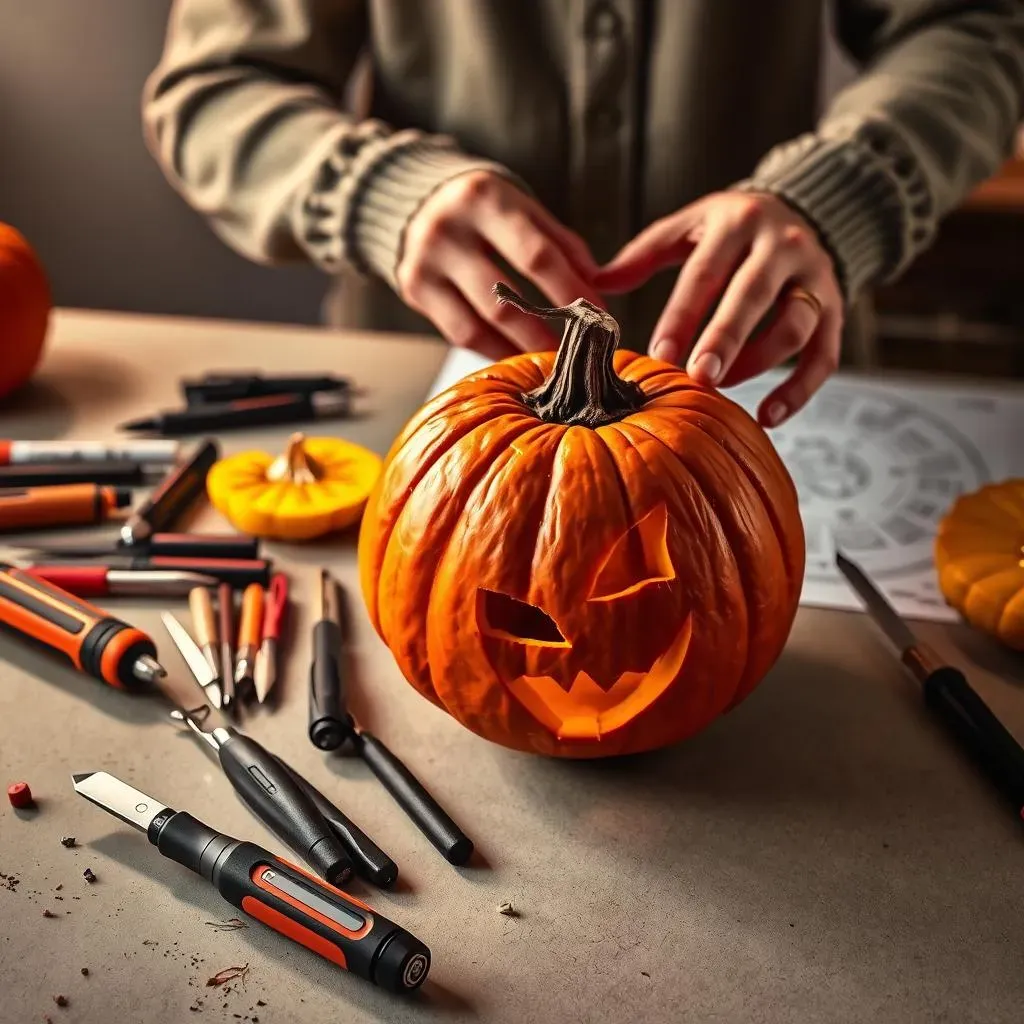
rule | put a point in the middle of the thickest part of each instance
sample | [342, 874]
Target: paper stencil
[876, 466]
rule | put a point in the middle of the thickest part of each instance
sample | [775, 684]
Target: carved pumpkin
[585, 553]
[980, 560]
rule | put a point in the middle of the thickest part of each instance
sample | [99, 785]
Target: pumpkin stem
[583, 388]
[296, 466]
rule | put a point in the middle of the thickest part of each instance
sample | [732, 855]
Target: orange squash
[582, 554]
[25, 304]
[979, 555]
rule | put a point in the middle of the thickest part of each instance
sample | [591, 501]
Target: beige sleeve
[934, 113]
[244, 115]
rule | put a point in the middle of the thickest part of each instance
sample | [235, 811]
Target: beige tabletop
[823, 853]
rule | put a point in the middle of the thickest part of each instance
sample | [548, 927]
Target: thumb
[664, 243]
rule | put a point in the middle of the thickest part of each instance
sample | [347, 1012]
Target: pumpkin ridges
[402, 604]
[422, 448]
[1011, 622]
[760, 655]
[685, 471]
[459, 575]
[719, 611]
[769, 472]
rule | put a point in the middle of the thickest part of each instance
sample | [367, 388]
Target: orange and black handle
[90, 639]
[61, 505]
[294, 903]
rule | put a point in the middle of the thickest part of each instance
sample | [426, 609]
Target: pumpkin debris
[228, 974]
[88, 875]
[230, 925]
[508, 909]
[68, 842]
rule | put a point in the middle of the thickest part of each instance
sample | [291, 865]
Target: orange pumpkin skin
[978, 555]
[25, 304]
[666, 547]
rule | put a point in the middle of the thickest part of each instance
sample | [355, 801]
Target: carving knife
[201, 670]
[947, 693]
[293, 902]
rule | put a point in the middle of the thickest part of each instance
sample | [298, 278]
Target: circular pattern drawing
[874, 473]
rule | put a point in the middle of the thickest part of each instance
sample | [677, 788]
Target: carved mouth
[586, 712]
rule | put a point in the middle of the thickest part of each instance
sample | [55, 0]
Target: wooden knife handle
[203, 619]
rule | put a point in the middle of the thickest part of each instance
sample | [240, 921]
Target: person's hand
[447, 271]
[760, 257]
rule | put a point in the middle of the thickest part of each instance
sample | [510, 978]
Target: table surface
[822, 853]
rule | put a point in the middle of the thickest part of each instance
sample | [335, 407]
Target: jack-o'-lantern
[582, 553]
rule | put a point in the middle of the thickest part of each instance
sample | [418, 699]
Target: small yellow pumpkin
[319, 485]
[979, 555]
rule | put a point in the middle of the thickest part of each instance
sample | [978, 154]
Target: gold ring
[809, 297]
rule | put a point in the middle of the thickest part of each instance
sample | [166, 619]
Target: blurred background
[76, 179]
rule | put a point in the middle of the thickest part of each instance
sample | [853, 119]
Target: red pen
[266, 658]
[99, 581]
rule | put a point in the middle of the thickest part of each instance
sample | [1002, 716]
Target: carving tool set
[233, 646]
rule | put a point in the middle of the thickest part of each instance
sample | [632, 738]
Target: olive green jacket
[612, 113]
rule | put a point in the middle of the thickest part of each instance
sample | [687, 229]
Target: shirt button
[605, 23]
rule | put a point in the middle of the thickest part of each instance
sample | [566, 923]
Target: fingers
[538, 256]
[474, 276]
[792, 327]
[458, 321]
[701, 281]
[817, 362]
[664, 243]
[747, 300]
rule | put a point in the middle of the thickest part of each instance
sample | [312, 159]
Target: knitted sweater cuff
[867, 199]
[369, 187]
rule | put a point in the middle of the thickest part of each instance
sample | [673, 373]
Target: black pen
[175, 493]
[230, 387]
[113, 473]
[246, 412]
[178, 545]
[331, 725]
[947, 693]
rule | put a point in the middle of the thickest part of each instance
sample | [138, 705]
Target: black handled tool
[370, 861]
[176, 545]
[229, 387]
[178, 489]
[271, 793]
[324, 919]
[331, 726]
[947, 693]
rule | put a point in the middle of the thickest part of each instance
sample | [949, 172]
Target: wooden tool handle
[250, 623]
[204, 622]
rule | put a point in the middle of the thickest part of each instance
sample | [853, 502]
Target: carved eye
[506, 618]
[638, 558]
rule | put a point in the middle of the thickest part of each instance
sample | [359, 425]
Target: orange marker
[30, 508]
[87, 637]
[250, 627]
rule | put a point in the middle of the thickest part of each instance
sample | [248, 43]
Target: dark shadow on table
[988, 653]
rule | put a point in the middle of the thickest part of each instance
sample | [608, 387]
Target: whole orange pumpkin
[25, 304]
[585, 553]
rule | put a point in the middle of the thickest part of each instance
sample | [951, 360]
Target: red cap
[20, 795]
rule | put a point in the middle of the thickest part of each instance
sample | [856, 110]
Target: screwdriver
[99, 581]
[331, 726]
[300, 907]
[90, 639]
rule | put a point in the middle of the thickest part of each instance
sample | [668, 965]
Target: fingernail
[775, 414]
[706, 367]
[665, 349]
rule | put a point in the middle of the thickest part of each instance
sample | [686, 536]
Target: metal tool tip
[79, 777]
